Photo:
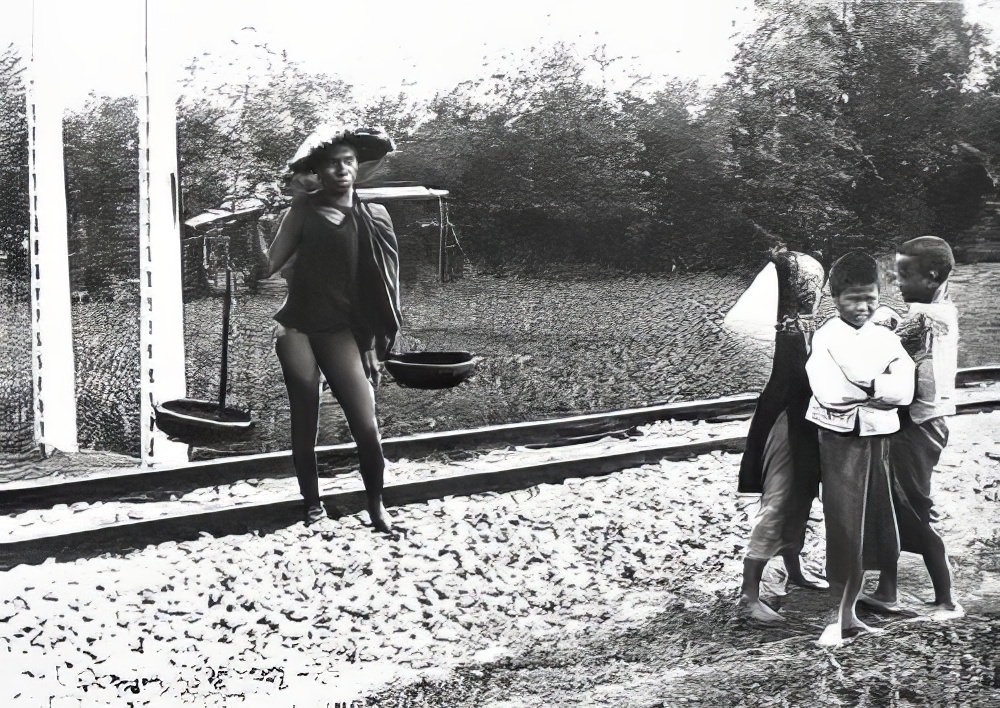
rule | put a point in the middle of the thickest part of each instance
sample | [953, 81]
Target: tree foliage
[846, 120]
[841, 124]
[13, 164]
[236, 138]
[550, 166]
[102, 187]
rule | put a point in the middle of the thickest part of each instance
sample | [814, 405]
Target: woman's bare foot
[756, 608]
[315, 514]
[379, 516]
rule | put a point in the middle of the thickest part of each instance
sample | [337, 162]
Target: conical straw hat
[371, 144]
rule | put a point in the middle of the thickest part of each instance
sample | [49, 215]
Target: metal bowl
[431, 369]
[199, 422]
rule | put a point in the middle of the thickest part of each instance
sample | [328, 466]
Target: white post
[53, 371]
[162, 371]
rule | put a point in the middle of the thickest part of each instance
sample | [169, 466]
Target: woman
[341, 314]
[781, 459]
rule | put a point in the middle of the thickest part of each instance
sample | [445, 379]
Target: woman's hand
[372, 371]
[286, 241]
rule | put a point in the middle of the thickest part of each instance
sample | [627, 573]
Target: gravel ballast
[314, 616]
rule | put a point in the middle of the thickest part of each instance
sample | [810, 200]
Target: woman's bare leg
[299, 368]
[340, 361]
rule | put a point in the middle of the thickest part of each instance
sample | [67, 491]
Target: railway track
[113, 512]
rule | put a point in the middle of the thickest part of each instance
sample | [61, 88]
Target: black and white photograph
[530, 353]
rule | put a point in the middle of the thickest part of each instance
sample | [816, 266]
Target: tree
[844, 117]
[542, 160]
[956, 195]
[13, 168]
[795, 157]
[684, 167]
[911, 63]
[101, 145]
[234, 138]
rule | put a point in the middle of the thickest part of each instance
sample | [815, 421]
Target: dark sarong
[780, 526]
[378, 280]
[913, 453]
[800, 279]
[857, 505]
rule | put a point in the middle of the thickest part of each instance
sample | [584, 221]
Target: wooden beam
[161, 337]
[52, 360]
[268, 516]
[160, 483]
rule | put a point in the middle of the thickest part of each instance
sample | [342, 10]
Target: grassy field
[15, 372]
[549, 347]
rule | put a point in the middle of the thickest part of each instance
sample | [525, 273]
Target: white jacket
[843, 359]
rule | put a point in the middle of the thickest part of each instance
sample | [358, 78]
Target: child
[781, 459]
[858, 372]
[930, 333]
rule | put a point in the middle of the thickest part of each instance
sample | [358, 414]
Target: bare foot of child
[797, 575]
[758, 610]
[879, 604]
[831, 636]
[857, 627]
[834, 635]
[805, 579]
[943, 611]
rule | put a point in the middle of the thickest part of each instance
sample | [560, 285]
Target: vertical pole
[226, 311]
[441, 239]
[162, 372]
[53, 369]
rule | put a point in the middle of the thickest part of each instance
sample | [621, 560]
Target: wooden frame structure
[53, 369]
[392, 193]
[161, 351]
[162, 375]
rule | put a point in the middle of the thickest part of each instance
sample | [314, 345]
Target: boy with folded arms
[859, 373]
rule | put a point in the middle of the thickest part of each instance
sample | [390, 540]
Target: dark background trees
[101, 148]
[854, 123]
[234, 137]
[13, 167]
[839, 125]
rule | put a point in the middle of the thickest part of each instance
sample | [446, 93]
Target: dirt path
[696, 649]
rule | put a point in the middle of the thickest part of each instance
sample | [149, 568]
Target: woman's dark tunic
[322, 291]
